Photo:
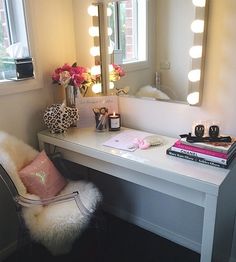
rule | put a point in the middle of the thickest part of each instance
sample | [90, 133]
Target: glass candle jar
[114, 122]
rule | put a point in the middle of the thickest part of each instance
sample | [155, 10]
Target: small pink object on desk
[114, 122]
[141, 143]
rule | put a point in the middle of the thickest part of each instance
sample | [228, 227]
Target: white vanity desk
[209, 187]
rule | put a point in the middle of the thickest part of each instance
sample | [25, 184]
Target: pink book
[178, 144]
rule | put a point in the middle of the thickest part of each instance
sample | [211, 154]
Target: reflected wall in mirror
[160, 44]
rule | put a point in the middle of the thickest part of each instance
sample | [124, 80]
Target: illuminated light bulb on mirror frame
[95, 70]
[195, 51]
[95, 51]
[110, 68]
[97, 88]
[194, 75]
[110, 49]
[111, 85]
[93, 31]
[109, 31]
[199, 3]
[93, 10]
[109, 11]
[197, 26]
[193, 98]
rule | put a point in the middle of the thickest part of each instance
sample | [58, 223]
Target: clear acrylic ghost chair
[21, 201]
[76, 216]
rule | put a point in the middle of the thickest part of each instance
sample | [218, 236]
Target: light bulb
[193, 98]
[97, 88]
[196, 51]
[93, 10]
[110, 68]
[111, 85]
[95, 51]
[109, 31]
[197, 26]
[96, 70]
[199, 3]
[110, 49]
[93, 31]
[194, 75]
[109, 11]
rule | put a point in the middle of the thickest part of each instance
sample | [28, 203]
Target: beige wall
[83, 40]
[52, 32]
[21, 113]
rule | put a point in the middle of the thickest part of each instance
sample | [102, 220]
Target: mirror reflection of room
[151, 41]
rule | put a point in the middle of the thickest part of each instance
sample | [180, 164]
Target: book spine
[194, 158]
[204, 151]
[196, 154]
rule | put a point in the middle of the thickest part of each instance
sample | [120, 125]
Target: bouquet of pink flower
[77, 76]
[116, 73]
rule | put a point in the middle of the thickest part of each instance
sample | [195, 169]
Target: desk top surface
[152, 161]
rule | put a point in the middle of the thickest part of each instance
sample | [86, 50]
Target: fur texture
[149, 91]
[55, 226]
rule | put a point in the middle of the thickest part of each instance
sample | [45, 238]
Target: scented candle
[114, 122]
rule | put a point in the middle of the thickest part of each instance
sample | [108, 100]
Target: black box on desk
[18, 68]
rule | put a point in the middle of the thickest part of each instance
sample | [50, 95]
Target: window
[128, 23]
[15, 60]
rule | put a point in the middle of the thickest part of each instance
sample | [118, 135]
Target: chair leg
[99, 222]
[24, 244]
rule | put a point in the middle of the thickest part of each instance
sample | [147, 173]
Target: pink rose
[77, 80]
[66, 67]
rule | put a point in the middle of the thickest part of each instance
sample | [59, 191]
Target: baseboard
[5, 252]
[163, 232]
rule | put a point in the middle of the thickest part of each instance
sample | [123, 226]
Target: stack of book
[211, 153]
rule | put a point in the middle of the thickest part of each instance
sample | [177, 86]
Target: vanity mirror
[160, 44]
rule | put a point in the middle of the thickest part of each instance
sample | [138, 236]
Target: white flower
[65, 78]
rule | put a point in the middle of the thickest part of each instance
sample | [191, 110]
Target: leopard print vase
[58, 117]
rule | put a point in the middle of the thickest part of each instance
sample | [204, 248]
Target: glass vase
[71, 93]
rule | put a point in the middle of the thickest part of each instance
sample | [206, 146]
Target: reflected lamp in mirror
[99, 12]
[106, 73]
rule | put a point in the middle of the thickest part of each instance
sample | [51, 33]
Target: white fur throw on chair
[56, 226]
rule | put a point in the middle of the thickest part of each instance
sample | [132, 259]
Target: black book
[197, 159]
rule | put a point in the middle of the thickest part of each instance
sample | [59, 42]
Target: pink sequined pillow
[41, 177]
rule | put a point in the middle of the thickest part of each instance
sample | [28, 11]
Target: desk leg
[208, 228]
[43, 145]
